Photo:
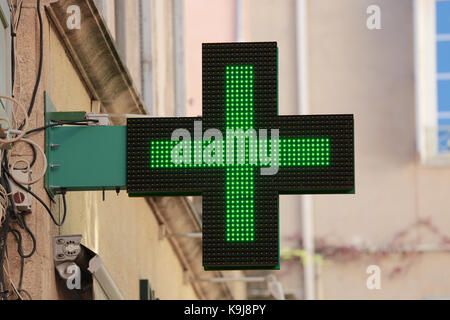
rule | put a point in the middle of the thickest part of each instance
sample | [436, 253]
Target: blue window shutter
[443, 17]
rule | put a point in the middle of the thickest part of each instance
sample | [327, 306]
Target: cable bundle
[11, 221]
[4, 203]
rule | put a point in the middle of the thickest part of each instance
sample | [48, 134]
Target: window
[5, 58]
[443, 74]
[432, 38]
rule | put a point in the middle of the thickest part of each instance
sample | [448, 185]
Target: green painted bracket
[83, 158]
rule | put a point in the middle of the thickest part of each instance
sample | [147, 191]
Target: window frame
[426, 81]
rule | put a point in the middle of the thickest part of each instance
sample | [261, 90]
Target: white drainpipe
[303, 109]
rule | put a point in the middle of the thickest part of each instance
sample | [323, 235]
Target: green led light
[240, 188]
[293, 153]
[239, 114]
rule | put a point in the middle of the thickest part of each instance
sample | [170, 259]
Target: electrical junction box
[66, 248]
[22, 199]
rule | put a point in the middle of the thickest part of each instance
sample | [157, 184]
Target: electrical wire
[19, 15]
[22, 267]
[16, 14]
[3, 204]
[44, 169]
[35, 146]
[10, 279]
[21, 221]
[12, 211]
[9, 213]
[13, 53]
[56, 124]
[59, 224]
[83, 122]
[19, 240]
[3, 243]
[34, 156]
[26, 121]
[14, 58]
[27, 293]
[41, 54]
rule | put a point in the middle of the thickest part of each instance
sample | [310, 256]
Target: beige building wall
[163, 59]
[205, 21]
[398, 202]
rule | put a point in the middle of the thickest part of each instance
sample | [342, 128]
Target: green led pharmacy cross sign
[240, 156]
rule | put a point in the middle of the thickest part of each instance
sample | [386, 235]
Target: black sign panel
[240, 156]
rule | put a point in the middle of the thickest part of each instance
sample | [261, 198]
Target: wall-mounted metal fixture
[70, 254]
[84, 158]
[98, 269]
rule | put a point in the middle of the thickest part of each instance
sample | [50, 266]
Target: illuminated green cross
[240, 188]
[240, 204]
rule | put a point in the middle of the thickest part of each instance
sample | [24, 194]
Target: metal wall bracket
[83, 158]
[69, 251]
